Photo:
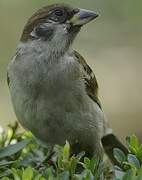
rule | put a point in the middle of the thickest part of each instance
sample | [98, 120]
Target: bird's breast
[39, 85]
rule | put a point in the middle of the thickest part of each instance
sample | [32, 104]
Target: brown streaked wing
[89, 78]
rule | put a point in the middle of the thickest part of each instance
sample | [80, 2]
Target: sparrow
[53, 90]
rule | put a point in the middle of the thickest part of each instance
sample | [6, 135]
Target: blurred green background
[112, 46]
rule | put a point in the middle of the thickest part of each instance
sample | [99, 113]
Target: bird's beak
[83, 17]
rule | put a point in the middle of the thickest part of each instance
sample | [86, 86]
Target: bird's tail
[109, 142]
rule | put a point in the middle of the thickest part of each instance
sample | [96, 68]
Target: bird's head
[56, 25]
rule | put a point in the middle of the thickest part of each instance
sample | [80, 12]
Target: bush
[22, 158]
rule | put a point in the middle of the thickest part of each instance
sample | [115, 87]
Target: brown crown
[38, 17]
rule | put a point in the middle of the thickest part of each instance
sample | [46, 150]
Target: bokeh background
[112, 45]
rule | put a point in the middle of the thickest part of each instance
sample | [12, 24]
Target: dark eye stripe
[44, 31]
[41, 30]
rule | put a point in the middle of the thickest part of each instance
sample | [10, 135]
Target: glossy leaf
[119, 155]
[12, 149]
[133, 160]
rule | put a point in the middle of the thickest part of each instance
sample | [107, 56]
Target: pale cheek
[60, 37]
[61, 31]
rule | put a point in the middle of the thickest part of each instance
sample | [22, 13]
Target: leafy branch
[22, 158]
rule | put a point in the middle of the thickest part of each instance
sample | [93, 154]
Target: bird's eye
[58, 15]
[59, 12]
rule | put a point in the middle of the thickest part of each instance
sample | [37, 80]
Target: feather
[89, 79]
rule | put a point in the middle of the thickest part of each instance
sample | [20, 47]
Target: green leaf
[28, 173]
[133, 160]
[119, 155]
[73, 165]
[139, 174]
[48, 174]
[92, 164]
[6, 163]
[64, 176]
[15, 174]
[130, 175]
[12, 149]
[87, 174]
[42, 178]
[139, 177]
[133, 143]
[5, 173]
[119, 174]
[5, 178]
[66, 151]
[86, 162]
[139, 153]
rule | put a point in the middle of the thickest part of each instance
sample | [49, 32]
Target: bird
[53, 90]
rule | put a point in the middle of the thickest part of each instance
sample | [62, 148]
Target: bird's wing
[109, 140]
[89, 79]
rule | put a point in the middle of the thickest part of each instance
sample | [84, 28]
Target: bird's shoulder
[89, 78]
